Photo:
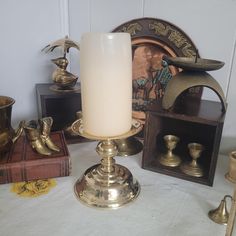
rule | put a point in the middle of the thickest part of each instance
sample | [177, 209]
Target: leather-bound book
[22, 163]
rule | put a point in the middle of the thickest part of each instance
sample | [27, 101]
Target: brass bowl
[194, 64]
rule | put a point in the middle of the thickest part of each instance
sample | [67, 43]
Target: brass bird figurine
[61, 77]
[64, 81]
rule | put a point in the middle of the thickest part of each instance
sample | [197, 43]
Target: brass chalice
[193, 168]
[170, 159]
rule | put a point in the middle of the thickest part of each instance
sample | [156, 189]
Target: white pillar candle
[106, 83]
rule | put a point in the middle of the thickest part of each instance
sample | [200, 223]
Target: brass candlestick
[106, 185]
[231, 176]
[170, 159]
[193, 168]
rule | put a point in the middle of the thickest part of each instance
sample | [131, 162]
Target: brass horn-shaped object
[220, 215]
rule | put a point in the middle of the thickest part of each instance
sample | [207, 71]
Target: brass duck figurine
[61, 77]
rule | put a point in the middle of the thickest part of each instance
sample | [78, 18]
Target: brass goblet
[170, 159]
[193, 168]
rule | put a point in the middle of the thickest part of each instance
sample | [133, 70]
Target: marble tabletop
[166, 206]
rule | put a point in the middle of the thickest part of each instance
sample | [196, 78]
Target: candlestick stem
[107, 150]
[230, 224]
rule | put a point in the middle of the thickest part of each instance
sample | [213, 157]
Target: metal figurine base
[58, 89]
[106, 185]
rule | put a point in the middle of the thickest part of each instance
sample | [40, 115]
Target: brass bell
[220, 215]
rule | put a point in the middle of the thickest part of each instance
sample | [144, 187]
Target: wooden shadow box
[195, 121]
[61, 106]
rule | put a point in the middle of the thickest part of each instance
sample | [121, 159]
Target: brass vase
[7, 134]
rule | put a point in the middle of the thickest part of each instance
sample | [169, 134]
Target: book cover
[22, 163]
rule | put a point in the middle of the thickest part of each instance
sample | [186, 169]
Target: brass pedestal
[106, 185]
[171, 161]
[192, 169]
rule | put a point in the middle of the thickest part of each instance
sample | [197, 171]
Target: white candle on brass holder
[106, 83]
[106, 89]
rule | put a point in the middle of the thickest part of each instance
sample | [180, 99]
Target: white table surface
[166, 206]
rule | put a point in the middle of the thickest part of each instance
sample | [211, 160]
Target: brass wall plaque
[151, 39]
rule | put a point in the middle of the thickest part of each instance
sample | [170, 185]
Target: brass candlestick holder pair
[192, 168]
[106, 185]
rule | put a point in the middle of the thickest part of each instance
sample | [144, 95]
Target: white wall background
[29, 25]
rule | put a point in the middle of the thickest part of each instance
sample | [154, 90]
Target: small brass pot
[7, 134]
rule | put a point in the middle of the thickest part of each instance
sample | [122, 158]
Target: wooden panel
[108, 14]
[79, 23]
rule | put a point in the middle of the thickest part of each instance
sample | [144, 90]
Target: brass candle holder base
[128, 146]
[171, 161]
[106, 185]
[192, 170]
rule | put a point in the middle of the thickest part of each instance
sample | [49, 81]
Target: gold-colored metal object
[170, 159]
[32, 189]
[45, 127]
[193, 75]
[231, 176]
[64, 81]
[220, 215]
[65, 43]
[68, 130]
[106, 185]
[194, 63]
[231, 220]
[38, 134]
[193, 168]
[7, 135]
[188, 79]
[128, 147]
[34, 137]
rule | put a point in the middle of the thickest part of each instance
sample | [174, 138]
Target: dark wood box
[61, 106]
[195, 121]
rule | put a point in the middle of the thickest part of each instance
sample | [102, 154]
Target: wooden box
[195, 121]
[61, 106]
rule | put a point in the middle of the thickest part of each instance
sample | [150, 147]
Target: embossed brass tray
[152, 39]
